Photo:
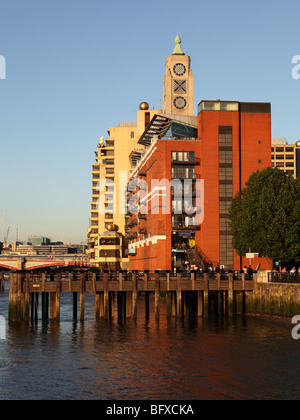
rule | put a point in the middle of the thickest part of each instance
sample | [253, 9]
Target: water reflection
[190, 358]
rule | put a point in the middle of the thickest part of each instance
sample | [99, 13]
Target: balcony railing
[191, 161]
[284, 277]
[179, 175]
[182, 226]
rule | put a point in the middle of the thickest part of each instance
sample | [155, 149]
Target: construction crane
[6, 237]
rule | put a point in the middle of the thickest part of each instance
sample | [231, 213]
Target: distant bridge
[35, 262]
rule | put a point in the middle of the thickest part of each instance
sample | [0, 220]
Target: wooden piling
[157, 292]
[26, 300]
[106, 297]
[200, 304]
[134, 296]
[179, 296]
[15, 297]
[147, 302]
[230, 303]
[128, 308]
[206, 295]
[82, 290]
[2, 281]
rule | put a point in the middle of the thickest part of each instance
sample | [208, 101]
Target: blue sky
[75, 68]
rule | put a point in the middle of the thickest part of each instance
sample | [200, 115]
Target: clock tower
[178, 86]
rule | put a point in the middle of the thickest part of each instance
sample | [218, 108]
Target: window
[183, 221]
[225, 194]
[183, 156]
[109, 153]
[132, 134]
[110, 241]
[183, 173]
[109, 162]
[109, 253]
[147, 118]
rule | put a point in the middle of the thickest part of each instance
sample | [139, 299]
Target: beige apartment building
[286, 156]
[106, 235]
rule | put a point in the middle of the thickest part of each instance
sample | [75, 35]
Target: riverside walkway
[185, 295]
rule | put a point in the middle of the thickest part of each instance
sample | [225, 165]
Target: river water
[170, 359]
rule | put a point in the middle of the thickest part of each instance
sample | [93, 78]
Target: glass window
[179, 131]
[183, 173]
[110, 241]
[110, 253]
[183, 156]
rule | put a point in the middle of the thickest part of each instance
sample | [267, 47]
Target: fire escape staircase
[197, 257]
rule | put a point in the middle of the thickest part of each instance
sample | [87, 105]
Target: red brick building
[223, 146]
[236, 141]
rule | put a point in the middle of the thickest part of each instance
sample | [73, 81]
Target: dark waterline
[172, 359]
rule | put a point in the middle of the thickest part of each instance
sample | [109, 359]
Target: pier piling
[190, 295]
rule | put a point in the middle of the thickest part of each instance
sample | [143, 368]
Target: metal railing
[284, 278]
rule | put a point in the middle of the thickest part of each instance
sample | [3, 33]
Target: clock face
[180, 102]
[179, 69]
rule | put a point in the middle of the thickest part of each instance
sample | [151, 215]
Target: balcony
[187, 194]
[180, 226]
[191, 161]
[182, 175]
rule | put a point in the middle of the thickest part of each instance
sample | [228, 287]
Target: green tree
[265, 216]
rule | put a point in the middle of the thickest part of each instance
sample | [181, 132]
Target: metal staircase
[197, 257]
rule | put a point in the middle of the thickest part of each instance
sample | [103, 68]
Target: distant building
[286, 156]
[48, 250]
[38, 240]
